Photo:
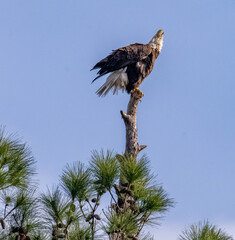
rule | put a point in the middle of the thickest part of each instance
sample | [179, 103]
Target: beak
[160, 32]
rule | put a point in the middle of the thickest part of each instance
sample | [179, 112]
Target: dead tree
[132, 146]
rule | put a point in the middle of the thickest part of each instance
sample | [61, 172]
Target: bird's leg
[139, 93]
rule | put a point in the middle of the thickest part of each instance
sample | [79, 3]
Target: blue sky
[186, 117]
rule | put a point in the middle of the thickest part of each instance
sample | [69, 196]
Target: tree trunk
[132, 147]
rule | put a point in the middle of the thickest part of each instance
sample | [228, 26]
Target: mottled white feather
[157, 44]
[116, 80]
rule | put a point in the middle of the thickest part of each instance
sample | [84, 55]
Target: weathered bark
[132, 149]
[132, 146]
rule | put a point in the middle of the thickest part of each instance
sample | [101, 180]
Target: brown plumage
[129, 65]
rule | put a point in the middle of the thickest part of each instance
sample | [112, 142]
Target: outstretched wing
[121, 58]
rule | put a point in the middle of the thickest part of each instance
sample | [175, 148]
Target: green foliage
[136, 201]
[155, 201]
[24, 200]
[150, 198]
[26, 213]
[80, 233]
[76, 182]
[55, 206]
[72, 215]
[204, 231]
[135, 171]
[16, 162]
[19, 210]
[104, 169]
[38, 235]
[82, 189]
[7, 196]
[125, 223]
[59, 213]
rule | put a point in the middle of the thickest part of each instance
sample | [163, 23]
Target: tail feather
[107, 86]
[100, 64]
[97, 78]
[100, 74]
[116, 80]
[100, 91]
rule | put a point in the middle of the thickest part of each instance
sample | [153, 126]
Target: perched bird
[129, 65]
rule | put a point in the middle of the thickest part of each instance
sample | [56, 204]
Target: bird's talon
[139, 92]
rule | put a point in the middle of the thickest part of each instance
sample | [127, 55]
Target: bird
[129, 66]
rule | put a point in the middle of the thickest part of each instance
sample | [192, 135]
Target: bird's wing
[122, 57]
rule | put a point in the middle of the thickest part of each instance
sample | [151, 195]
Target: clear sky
[187, 116]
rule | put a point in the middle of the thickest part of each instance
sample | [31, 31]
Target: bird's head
[157, 40]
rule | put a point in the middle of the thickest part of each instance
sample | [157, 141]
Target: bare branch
[132, 146]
